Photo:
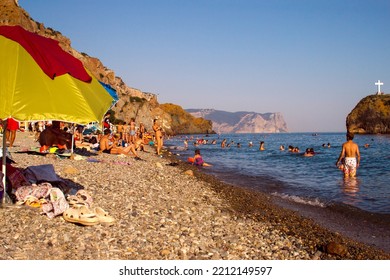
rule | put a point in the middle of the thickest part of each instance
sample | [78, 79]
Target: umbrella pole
[71, 149]
[4, 167]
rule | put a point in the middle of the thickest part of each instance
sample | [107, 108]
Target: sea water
[309, 180]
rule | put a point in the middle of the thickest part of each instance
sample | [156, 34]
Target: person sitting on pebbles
[111, 147]
[139, 145]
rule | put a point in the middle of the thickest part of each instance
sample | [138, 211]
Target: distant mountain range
[242, 122]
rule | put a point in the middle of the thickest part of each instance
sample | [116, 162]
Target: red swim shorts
[12, 124]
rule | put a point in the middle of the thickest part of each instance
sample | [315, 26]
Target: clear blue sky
[310, 60]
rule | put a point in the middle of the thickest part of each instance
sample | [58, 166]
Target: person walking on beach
[350, 156]
[12, 127]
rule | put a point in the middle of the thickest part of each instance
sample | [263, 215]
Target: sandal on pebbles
[103, 216]
[80, 198]
[81, 215]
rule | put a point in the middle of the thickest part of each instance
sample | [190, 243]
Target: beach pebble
[165, 252]
[336, 249]
[160, 213]
[189, 172]
[71, 170]
[317, 255]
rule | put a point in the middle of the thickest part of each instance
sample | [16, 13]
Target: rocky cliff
[133, 103]
[242, 122]
[183, 121]
[371, 115]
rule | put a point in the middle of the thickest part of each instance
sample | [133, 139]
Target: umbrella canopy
[111, 91]
[40, 81]
[27, 93]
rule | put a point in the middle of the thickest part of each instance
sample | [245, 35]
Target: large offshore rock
[371, 115]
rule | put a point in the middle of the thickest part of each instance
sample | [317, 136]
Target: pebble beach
[163, 211]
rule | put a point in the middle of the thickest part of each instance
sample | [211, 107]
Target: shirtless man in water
[350, 155]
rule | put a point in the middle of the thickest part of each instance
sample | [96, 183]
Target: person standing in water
[350, 155]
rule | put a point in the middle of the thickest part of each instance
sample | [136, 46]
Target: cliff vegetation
[370, 116]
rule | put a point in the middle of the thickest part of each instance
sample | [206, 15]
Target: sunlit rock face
[370, 116]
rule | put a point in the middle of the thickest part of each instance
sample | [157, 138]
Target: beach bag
[15, 177]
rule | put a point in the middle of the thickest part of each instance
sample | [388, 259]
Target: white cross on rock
[379, 84]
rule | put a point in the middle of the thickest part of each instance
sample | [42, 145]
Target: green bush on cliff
[137, 99]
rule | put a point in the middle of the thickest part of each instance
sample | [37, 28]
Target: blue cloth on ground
[41, 173]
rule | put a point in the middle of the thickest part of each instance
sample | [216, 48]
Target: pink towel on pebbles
[39, 191]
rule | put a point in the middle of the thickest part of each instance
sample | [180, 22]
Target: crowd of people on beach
[126, 138]
[130, 139]
[62, 138]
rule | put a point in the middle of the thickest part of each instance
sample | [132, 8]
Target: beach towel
[42, 173]
[38, 191]
[57, 204]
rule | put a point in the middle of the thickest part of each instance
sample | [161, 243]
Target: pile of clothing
[40, 187]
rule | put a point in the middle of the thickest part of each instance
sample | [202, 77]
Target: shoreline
[162, 213]
[363, 226]
[310, 223]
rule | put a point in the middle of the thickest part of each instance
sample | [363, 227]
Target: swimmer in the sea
[262, 146]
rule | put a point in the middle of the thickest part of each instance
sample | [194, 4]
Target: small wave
[301, 200]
